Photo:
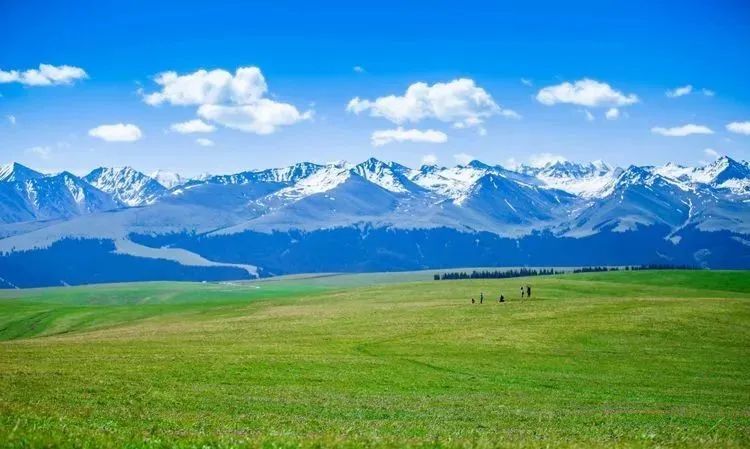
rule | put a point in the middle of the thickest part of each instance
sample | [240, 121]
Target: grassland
[636, 359]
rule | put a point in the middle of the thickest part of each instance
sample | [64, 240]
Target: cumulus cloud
[42, 152]
[679, 91]
[542, 159]
[192, 126]
[585, 92]
[45, 75]
[429, 159]
[261, 117]
[204, 142]
[612, 114]
[217, 86]
[386, 136]
[463, 158]
[119, 132]
[682, 131]
[237, 101]
[460, 102]
[739, 127]
[710, 152]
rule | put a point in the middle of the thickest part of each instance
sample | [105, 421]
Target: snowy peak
[721, 170]
[168, 179]
[388, 175]
[290, 174]
[586, 180]
[126, 185]
[16, 172]
[60, 196]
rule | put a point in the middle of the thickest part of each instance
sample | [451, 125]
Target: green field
[620, 359]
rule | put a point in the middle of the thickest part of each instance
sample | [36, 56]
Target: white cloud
[11, 119]
[429, 159]
[236, 100]
[585, 92]
[682, 131]
[589, 115]
[460, 102]
[192, 126]
[264, 116]
[542, 159]
[45, 75]
[209, 87]
[708, 92]
[710, 152]
[119, 132]
[43, 152]
[739, 127]
[463, 158]
[358, 69]
[386, 136]
[509, 113]
[679, 91]
[612, 114]
[526, 82]
[511, 163]
[204, 142]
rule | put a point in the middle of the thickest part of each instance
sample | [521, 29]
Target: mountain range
[107, 225]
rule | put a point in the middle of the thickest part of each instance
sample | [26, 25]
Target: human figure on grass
[528, 291]
[523, 290]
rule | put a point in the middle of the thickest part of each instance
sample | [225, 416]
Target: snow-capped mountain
[168, 179]
[127, 186]
[52, 197]
[16, 172]
[557, 213]
[590, 180]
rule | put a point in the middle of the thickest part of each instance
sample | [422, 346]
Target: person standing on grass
[502, 298]
[481, 297]
[528, 291]
[522, 291]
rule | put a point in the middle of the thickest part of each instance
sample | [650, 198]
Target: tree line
[523, 272]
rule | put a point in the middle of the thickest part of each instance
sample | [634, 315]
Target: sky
[222, 87]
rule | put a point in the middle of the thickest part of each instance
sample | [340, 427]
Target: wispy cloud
[384, 137]
[429, 159]
[463, 158]
[192, 126]
[204, 142]
[41, 151]
[710, 152]
[358, 69]
[679, 91]
[682, 131]
[45, 75]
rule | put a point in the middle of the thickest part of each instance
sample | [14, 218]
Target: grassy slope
[615, 359]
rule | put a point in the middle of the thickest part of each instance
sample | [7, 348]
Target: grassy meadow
[619, 359]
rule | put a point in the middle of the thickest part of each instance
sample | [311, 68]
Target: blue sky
[307, 52]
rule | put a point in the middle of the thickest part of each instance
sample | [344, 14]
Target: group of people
[525, 293]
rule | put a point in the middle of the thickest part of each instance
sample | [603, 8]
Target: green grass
[626, 359]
